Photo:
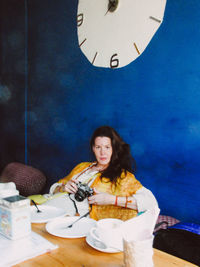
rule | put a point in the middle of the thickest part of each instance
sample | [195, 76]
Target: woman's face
[102, 149]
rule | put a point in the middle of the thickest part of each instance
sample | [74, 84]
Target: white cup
[108, 231]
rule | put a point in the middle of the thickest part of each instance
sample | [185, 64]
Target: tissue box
[8, 190]
[15, 220]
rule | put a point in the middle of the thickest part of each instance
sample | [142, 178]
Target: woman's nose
[102, 151]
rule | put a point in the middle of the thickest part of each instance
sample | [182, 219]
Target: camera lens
[80, 195]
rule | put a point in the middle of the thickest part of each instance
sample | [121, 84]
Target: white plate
[59, 228]
[100, 246]
[47, 213]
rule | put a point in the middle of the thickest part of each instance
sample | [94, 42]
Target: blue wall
[12, 81]
[153, 102]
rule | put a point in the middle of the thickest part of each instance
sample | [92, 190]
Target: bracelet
[116, 200]
[126, 202]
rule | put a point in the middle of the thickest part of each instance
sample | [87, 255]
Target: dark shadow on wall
[12, 62]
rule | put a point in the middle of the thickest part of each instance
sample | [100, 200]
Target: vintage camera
[83, 191]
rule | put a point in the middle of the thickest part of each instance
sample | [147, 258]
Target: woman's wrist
[111, 200]
[126, 202]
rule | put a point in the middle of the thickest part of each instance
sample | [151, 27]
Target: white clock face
[113, 39]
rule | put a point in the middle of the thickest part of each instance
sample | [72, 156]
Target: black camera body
[83, 191]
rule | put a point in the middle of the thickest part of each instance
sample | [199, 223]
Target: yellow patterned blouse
[126, 185]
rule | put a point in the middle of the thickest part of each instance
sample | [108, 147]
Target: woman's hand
[71, 186]
[100, 198]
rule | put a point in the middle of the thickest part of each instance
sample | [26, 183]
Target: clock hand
[111, 4]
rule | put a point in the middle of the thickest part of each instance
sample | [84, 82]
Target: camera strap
[90, 178]
[85, 170]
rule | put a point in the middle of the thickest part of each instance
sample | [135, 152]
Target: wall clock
[113, 33]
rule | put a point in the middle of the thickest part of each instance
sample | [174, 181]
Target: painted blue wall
[12, 80]
[153, 102]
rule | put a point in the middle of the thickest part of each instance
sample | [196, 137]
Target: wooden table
[77, 253]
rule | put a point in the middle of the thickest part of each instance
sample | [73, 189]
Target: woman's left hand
[100, 198]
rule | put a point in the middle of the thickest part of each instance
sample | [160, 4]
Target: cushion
[164, 221]
[28, 180]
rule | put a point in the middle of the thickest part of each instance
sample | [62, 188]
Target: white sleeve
[145, 199]
[53, 187]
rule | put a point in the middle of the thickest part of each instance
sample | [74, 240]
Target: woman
[117, 193]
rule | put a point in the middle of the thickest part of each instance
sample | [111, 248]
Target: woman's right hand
[71, 186]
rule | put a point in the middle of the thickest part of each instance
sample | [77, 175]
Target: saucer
[100, 245]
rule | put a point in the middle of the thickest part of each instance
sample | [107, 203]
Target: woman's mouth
[103, 159]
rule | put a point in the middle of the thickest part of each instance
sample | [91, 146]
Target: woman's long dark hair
[121, 159]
